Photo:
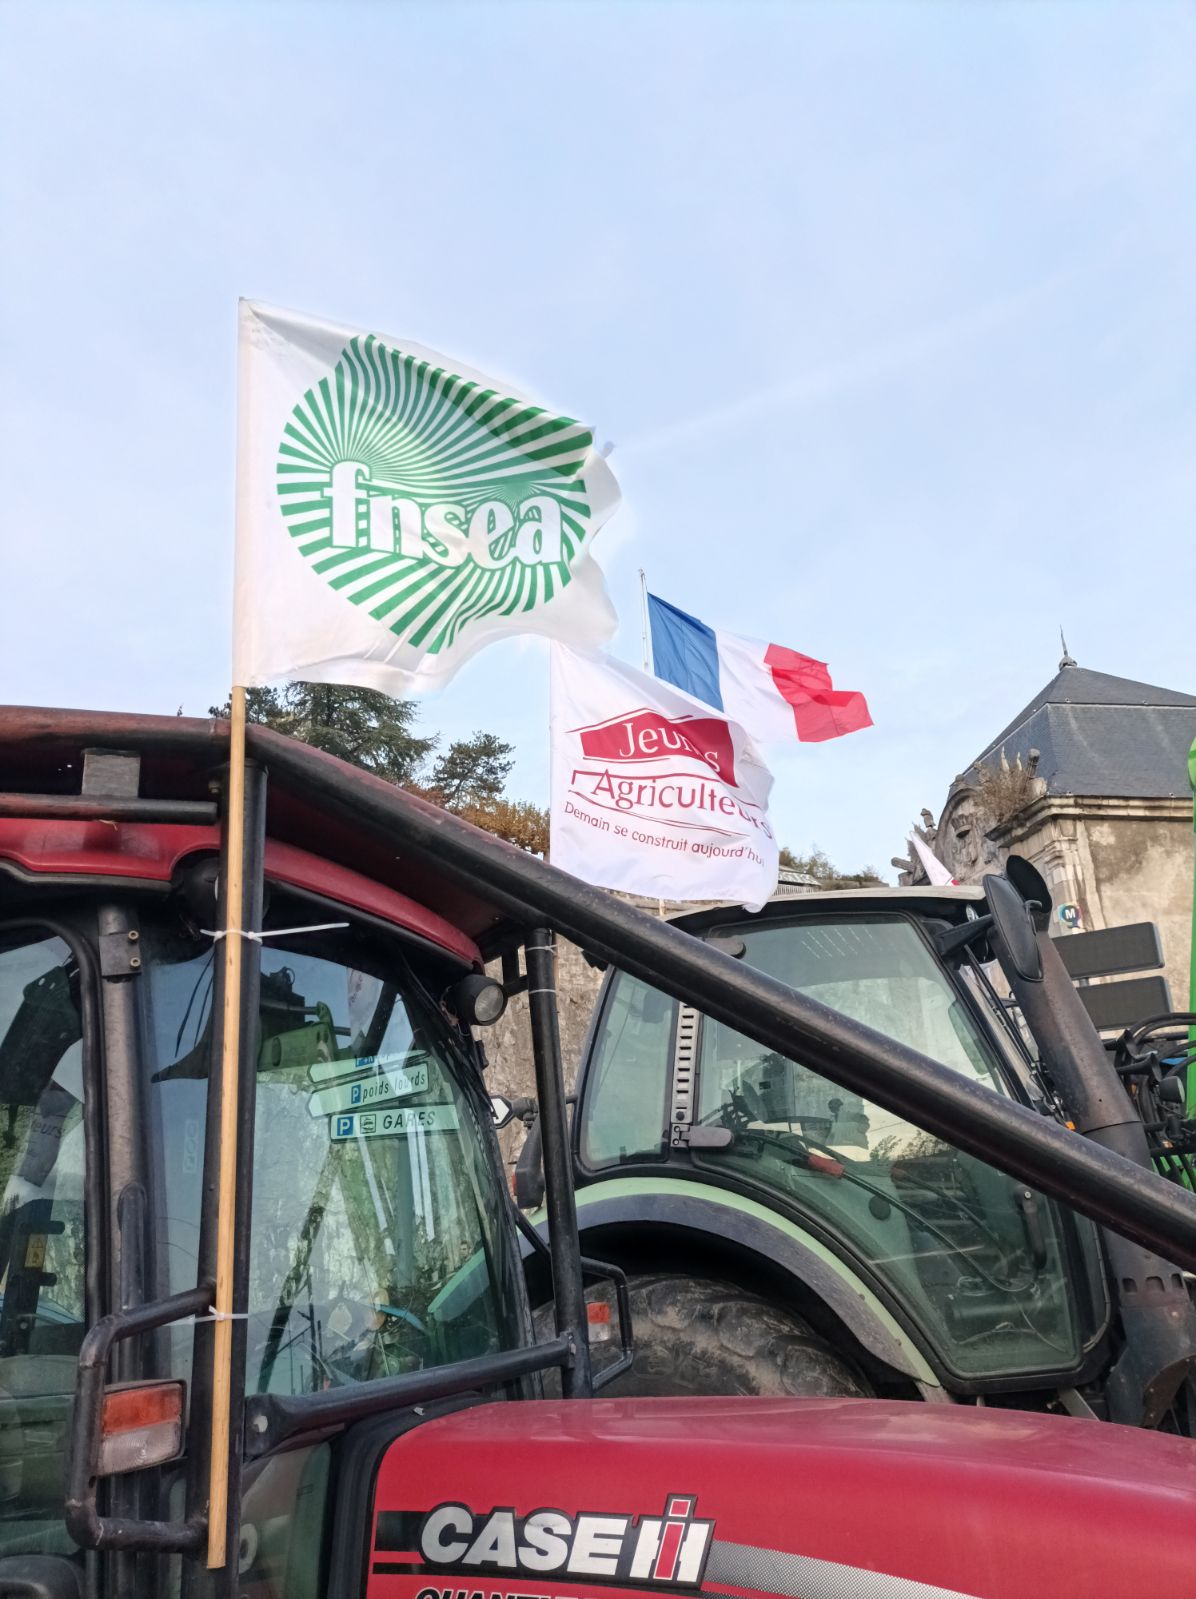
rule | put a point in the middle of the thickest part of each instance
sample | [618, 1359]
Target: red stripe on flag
[830, 715]
[819, 711]
[796, 673]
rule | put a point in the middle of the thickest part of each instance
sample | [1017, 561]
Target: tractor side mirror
[508, 1110]
[502, 1110]
[1013, 924]
[1031, 885]
[529, 1170]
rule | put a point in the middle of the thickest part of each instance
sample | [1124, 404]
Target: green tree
[359, 725]
[472, 771]
[373, 731]
[818, 865]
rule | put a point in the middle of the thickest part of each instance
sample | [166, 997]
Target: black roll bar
[1028, 1146]
[273, 1418]
[104, 808]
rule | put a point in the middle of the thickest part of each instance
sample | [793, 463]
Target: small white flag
[652, 791]
[936, 873]
[396, 512]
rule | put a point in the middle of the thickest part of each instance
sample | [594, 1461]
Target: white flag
[936, 872]
[396, 511]
[652, 791]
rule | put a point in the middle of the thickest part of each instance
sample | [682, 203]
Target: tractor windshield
[978, 1260]
[377, 1240]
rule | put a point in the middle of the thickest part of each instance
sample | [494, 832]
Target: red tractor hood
[811, 1499]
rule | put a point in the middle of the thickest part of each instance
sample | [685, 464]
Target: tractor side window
[623, 1105]
[979, 1259]
[378, 1244]
[42, 1252]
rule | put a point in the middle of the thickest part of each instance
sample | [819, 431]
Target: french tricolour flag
[773, 692]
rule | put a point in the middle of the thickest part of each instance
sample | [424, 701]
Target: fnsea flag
[776, 694]
[397, 511]
[652, 792]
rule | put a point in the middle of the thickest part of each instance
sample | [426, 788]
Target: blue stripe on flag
[684, 652]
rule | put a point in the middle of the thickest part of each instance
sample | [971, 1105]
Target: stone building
[1090, 783]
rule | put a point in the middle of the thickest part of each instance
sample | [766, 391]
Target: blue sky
[887, 309]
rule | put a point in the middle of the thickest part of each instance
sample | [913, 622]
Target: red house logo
[646, 735]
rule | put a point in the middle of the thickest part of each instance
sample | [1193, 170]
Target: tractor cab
[718, 1172]
[979, 1283]
[377, 1240]
[364, 1420]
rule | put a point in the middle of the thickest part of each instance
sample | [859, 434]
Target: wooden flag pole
[226, 1193]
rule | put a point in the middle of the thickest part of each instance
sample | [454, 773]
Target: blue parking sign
[355, 1094]
[344, 1127]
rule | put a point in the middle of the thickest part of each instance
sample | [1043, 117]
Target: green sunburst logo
[429, 499]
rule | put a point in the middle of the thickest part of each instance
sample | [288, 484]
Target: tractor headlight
[480, 1001]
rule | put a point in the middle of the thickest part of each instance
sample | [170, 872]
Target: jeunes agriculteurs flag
[396, 512]
[652, 792]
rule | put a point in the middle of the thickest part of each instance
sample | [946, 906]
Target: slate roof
[1098, 734]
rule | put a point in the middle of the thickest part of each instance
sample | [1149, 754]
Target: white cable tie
[545, 949]
[271, 932]
[542, 991]
[214, 1315]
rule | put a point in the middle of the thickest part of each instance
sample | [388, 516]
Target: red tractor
[378, 1430]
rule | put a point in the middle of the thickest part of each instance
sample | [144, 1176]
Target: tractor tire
[702, 1336]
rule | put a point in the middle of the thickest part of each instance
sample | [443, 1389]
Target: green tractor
[782, 1234]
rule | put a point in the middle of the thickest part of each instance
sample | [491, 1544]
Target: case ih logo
[648, 736]
[670, 1549]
